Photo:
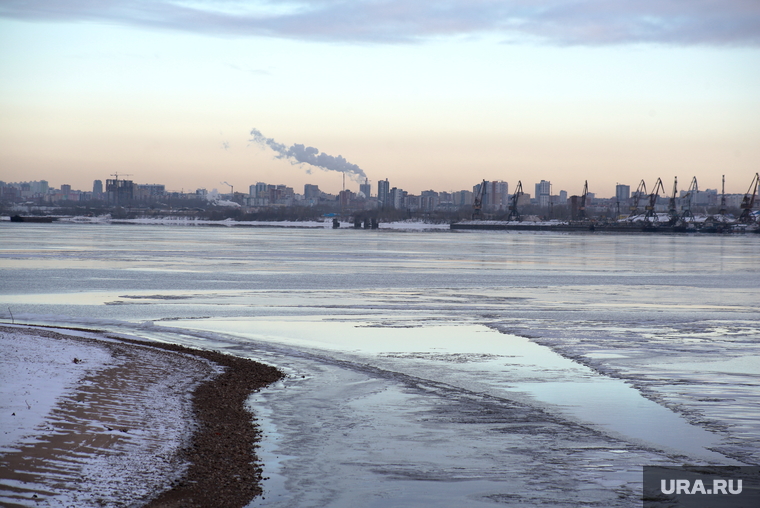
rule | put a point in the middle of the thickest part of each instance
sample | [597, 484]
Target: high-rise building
[262, 190]
[463, 198]
[345, 197]
[365, 188]
[118, 191]
[497, 195]
[383, 193]
[97, 189]
[311, 191]
[396, 198]
[543, 193]
[622, 193]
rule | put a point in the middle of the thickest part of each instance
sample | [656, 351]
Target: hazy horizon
[426, 95]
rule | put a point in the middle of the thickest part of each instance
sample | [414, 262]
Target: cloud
[561, 22]
[301, 154]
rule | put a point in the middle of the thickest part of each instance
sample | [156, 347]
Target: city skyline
[498, 193]
[170, 92]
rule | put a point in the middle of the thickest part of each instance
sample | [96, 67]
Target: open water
[436, 368]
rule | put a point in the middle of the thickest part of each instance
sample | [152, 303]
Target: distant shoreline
[529, 224]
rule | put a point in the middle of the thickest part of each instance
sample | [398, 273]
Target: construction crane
[672, 211]
[477, 204]
[641, 190]
[582, 207]
[722, 210]
[513, 213]
[748, 202]
[650, 215]
[688, 199]
[116, 175]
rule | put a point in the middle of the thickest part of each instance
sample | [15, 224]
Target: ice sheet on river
[666, 325]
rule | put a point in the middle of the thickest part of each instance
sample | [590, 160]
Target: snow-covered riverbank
[90, 421]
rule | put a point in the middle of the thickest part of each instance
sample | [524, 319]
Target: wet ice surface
[342, 432]
[411, 379]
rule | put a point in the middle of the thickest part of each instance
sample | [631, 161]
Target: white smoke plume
[301, 154]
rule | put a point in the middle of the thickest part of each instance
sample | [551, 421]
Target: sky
[428, 94]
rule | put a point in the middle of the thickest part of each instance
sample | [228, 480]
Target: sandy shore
[120, 422]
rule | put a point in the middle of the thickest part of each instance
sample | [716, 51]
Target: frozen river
[436, 368]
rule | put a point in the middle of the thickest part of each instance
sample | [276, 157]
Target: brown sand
[223, 469]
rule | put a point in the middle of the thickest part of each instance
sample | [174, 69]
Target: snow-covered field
[90, 422]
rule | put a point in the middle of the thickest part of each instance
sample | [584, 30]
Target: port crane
[513, 213]
[688, 199]
[641, 190]
[748, 202]
[672, 210]
[722, 210]
[582, 207]
[650, 215]
[477, 205]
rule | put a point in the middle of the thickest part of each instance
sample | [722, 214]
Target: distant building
[311, 192]
[345, 197]
[119, 191]
[383, 194]
[149, 192]
[543, 193]
[708, 198]
[365, 188]
[429, 200]
[396, 198]
[622, 193]
[462, 198]
[261, 189]
[497, 195]
[97, 189]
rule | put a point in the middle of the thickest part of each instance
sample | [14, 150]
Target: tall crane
[688, 199]
[513, 212]
[582, 207]
[651, 216]
[116, 175]
[672, 210]
[749, 200]
[722, 210]
[477, 204]
[641, 190]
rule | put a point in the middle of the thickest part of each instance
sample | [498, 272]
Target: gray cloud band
[579, 22]
[301, 154]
